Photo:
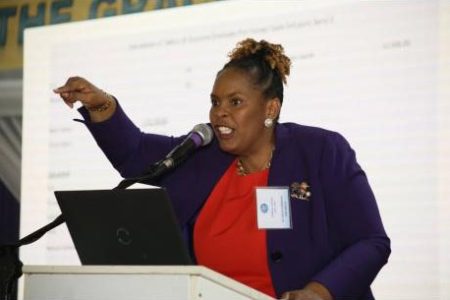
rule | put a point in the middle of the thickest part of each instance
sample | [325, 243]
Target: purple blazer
[337, 238]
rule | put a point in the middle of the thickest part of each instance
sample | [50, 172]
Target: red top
[226, 236]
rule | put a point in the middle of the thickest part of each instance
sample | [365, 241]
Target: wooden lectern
[132, 283]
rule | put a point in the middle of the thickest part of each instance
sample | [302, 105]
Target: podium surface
[132, 283]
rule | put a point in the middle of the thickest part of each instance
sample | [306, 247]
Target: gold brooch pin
[300, 191]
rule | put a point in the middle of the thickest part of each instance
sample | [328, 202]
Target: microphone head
[205, 132]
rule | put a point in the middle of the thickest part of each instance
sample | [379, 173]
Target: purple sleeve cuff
[128, 149]
[116, 136]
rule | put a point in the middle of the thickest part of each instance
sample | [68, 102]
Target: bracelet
[104, 106]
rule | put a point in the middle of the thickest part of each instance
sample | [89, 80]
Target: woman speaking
[281, 207]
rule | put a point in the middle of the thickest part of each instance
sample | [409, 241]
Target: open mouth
[224, 131]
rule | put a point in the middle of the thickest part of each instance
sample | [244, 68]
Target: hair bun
[272, 54]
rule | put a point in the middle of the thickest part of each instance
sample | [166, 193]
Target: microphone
[200, 135]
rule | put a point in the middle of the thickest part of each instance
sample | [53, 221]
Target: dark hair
[266, 64]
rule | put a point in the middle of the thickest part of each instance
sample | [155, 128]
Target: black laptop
[123, 227]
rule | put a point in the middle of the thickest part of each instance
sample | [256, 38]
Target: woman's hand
[100, 105]
[312, 291]
[79, 89]
[301, 295]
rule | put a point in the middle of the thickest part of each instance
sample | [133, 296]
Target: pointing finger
[73, 84]
[65, 89]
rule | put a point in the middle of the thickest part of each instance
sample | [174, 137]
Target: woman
[336, 244]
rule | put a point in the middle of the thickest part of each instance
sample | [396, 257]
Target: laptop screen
[123, 227]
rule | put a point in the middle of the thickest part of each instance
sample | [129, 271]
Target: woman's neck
[257, 161]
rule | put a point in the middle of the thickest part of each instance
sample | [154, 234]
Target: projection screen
[376, 71]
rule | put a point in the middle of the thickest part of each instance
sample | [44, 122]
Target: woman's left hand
[304, 294]
[312, 291]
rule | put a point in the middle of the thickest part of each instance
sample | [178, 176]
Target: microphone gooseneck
[200, 135]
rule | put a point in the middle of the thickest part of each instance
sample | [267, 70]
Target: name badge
[273, 208]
